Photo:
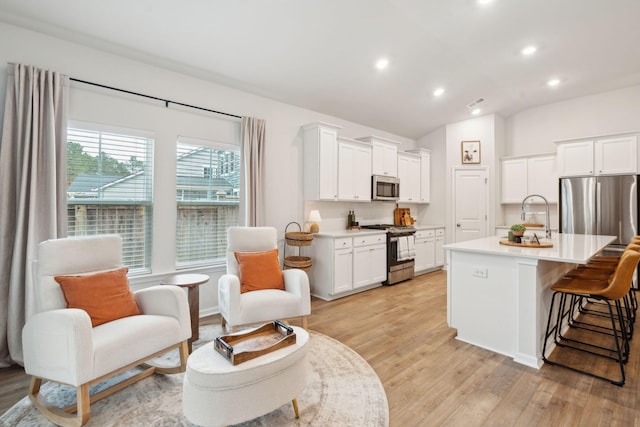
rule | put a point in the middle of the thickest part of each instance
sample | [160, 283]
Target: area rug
[343, 390]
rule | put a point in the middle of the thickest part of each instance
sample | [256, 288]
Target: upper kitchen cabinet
[425, 173]
[320, 161]
[354, 170]
[603, 156]
[384, 155]
[524, 175]
[616, 156]
[409, 175]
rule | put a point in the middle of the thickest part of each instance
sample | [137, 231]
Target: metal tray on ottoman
[241, 347]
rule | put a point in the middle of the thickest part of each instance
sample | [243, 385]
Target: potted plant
[518, 230]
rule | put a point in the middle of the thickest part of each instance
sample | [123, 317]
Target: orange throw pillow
[259, 270]
[104, 296]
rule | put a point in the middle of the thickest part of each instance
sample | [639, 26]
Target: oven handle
[395, 238]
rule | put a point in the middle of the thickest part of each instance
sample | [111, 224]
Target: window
[208, 199]
[109, 177]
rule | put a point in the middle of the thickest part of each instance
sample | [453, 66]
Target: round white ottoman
[216, 393]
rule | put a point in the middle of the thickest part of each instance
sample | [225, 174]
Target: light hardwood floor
[432, 379]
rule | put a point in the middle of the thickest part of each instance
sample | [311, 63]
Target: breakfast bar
[498, 296]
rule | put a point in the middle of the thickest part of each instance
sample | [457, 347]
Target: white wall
[283, 176]
[484, 129]
[533, 131]
[435, 212]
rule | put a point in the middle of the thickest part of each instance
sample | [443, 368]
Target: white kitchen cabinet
[526, 175]
[369, 260]
[409, 175]
[439, 250]
[343, 274]
[425, 173]
[346, 265]
[429, 252]
[384, 159]
[320, 174]
[614, 155]
[354, 170]
[575, 158]
[514, 180]
[543, 177]
[425, 250]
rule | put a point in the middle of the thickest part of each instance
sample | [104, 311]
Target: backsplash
[334, 214]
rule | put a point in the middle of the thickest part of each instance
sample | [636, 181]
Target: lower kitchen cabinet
[369, 260]
[343, 274]
[346, 265]
[439, 250]
[429, 253]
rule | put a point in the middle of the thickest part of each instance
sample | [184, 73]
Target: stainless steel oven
[400, 266]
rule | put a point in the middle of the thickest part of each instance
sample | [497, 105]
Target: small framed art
[470, 152]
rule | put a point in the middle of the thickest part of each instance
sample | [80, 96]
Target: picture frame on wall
[470, 152]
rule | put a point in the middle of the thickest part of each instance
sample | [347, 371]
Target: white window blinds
[208, 199]
[110, 175]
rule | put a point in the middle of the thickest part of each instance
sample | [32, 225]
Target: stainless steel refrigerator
[604, 205]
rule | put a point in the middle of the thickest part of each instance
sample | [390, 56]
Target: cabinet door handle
[458, 225]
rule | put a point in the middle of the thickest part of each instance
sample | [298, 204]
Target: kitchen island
[498, 296]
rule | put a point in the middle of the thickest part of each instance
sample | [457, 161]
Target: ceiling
[320, 54]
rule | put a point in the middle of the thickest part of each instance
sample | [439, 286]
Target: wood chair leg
[58, 416]
[294, 402]
[305, 322]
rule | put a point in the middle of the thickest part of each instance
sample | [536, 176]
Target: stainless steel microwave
[385, 188]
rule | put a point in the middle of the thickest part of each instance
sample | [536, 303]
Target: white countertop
[367, 231]
[571, 248]
[349, 233]
[427, 227]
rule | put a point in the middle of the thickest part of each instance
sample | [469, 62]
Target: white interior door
[470, 204]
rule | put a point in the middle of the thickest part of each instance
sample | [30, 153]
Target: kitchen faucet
[547, 227]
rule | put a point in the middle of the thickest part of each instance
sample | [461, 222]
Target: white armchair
[60, 344]
[238, 308]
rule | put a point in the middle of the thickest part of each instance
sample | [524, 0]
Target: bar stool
[610, 291]
[601, 270]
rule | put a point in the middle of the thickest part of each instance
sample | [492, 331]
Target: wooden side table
[190, 281]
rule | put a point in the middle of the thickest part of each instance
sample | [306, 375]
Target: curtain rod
[166, 101]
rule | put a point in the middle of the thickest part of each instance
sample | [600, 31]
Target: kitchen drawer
[440, 232]
[342, 243]
[423, 234]
[369, 240]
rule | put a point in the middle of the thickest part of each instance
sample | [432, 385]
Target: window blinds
[109, 177]
[208, 200]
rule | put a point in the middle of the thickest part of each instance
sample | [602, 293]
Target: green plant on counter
[518, 228]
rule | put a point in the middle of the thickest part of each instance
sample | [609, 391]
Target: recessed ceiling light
[382, 63]
[529, 50]
[553, 82]
[476, 111]
[438, 91]
[483, 2]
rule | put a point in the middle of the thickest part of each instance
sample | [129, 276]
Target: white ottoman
[216, 393]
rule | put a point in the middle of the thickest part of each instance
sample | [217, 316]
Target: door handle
[458, 225]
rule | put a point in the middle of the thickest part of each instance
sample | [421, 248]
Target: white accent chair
[60, 345]
[264, 305]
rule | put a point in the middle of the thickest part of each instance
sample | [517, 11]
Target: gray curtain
[252, 143]
[32, 190]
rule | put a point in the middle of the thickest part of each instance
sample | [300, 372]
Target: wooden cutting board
[526, 245]
[402, 216]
